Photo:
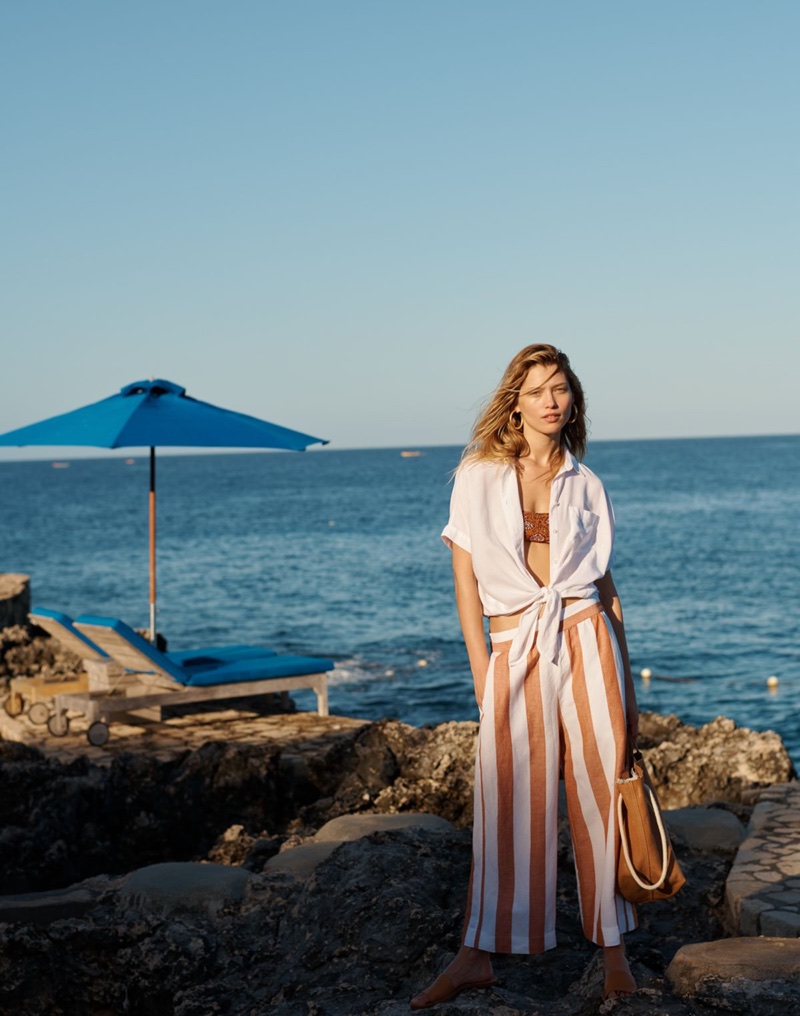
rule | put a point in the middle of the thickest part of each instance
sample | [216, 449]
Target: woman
[531, 531]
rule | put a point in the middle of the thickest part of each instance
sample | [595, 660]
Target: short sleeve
[607, 529]
[457, 529]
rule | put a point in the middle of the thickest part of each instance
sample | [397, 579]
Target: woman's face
[545, 401]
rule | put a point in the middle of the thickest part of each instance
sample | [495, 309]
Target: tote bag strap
[626, 850]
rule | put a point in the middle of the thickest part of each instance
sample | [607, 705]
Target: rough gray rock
[65, 823]
[370, 926]
[15, 599]
[357, 933]
[27, 651]
[716, 762]
[391, 766]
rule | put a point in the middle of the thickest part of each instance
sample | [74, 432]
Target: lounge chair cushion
[282, 665]
[215, 656]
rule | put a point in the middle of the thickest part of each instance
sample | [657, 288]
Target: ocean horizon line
[70, 453]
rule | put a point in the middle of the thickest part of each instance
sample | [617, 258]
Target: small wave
[356, 671]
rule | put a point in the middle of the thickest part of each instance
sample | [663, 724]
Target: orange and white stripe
[534, 720]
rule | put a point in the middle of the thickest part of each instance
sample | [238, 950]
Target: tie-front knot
[541, 617]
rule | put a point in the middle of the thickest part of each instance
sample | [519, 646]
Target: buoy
[772, 682]
[390, 673]
[422, 663]
[647, 673]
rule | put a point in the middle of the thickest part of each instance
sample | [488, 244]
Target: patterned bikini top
[537, 527]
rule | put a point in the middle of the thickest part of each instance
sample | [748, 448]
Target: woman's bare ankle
[614, 954]
[619, 981]
[472, 962]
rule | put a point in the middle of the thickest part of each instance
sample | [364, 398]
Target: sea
[338, 554]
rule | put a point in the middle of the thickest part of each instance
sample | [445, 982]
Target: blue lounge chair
[61, 627]
[36, 694]
[162, 680]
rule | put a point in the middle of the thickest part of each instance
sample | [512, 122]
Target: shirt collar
[569, 465]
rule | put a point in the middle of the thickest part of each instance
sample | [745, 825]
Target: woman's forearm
[470, 616]
[609, 597]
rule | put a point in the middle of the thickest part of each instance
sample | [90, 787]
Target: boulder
[15, 599]
[716, 762]
[392, 767]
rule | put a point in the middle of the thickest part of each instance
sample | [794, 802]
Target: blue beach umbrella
[155, 414]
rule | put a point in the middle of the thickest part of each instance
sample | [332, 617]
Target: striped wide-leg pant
[568, 714]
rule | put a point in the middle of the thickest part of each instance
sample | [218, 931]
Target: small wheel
[39, 713]
[97, 734]
[58, 724]
[14, 704]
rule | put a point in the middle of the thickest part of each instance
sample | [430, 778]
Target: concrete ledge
[302, 860]
[46, 907]
[305, 858]
[176, 886]
[353, 827]
[742, 975]
[707, 830]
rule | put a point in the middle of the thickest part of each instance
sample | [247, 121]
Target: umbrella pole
[153, 545]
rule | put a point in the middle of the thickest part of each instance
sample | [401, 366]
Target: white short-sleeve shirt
[486, 520]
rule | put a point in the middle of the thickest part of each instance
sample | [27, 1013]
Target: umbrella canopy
[155, 414]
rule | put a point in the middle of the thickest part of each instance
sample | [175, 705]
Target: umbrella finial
[155, 386]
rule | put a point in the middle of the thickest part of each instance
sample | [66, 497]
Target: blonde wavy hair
[494, 438]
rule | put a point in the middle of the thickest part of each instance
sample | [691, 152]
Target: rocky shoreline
[296, 866]
[275, 921]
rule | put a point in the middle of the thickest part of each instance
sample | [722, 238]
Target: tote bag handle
[623, 836]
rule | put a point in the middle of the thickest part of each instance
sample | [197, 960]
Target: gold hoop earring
[517, 424]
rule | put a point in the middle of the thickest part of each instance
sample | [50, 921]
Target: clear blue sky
[345, 216]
